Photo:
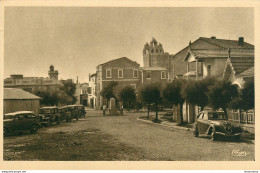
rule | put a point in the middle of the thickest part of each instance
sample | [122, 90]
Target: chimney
[213, 37]
[241, 41]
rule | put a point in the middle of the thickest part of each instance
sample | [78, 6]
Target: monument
[112, 107]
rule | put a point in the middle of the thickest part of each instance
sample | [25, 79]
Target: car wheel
[34, 129]
[213, 135]
[238, 138]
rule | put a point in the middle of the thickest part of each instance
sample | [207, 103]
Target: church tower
[154, 55]
[53, 74]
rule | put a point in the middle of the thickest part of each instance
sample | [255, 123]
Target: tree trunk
[181, 112]
[148, 108]
[156, 111]
[128, 106]
[225, 111]
[202, 108]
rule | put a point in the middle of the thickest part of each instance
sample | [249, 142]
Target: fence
[246, 117]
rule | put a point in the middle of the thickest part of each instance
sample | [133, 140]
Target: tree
[108, 91]
[47, 98]
[248, 95]
[127, 95]
[195, 92]
[151, 94]
[221, 94]
[172, 93]
[66, 93]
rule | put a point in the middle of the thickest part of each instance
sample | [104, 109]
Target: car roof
[209, 111]
[49, 107]
[20, 112]
[68, 106]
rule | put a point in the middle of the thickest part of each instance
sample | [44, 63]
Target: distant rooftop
[18, 94]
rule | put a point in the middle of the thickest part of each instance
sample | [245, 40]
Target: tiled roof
[247, 73]
[241, 64]
[18, 94]
[227, 43]
[120, 59]
[152, 68]
[220, 53]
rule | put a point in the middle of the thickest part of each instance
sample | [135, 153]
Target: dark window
[135, 73]
[148, 75]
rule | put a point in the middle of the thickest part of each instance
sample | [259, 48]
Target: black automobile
[21, 121]
[216, 124]
[70, 112]
[49, 115]
[81, 111]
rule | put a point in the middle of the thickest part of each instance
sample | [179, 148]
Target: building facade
[122, 70]
[19, 100]
[34, 84]
[201, 49]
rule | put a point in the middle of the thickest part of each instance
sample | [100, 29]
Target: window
[120, 73]
[152, 51]
[135, 73]
[163, 75]
[134, 86]
[108, 73]
[148, 75]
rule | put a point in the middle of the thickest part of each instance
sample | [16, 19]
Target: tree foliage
[66, 93]
[108, 91]
[248, 94]
[221, 94]
[195, 92]
[47, 98]
[127, 95]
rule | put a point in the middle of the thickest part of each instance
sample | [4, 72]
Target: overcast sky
[76, 39]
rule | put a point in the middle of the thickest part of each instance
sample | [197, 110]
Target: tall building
[53, 74]
[154, 56]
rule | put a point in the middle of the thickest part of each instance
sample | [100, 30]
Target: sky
[76, 39]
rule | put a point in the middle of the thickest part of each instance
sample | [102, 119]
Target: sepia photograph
[84, 83]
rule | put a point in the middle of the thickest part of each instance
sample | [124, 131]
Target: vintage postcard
[129, 85]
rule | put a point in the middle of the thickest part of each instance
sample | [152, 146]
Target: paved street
[96, 137]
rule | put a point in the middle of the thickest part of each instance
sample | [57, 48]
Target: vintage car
[81, 111]
[21, 121]
[70, 112]
[215, 124]
[49, 115]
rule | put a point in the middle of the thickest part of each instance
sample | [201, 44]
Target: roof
[49, 107]
[242, 64]
[221, 43]
[219, 53]
[247, 73]
[20, 112]
[226, 43]
[152, 68]
[94, 74]
[120, 59]
[18, 94]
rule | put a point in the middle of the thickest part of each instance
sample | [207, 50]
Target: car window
[32, 115]
[8, 117]
[20, 116]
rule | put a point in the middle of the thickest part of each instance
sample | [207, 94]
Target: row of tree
[207, 92]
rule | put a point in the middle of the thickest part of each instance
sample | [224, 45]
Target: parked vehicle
[215, 124]
[21, 121]
[81, 111]
[70, 112]
[49, 115]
